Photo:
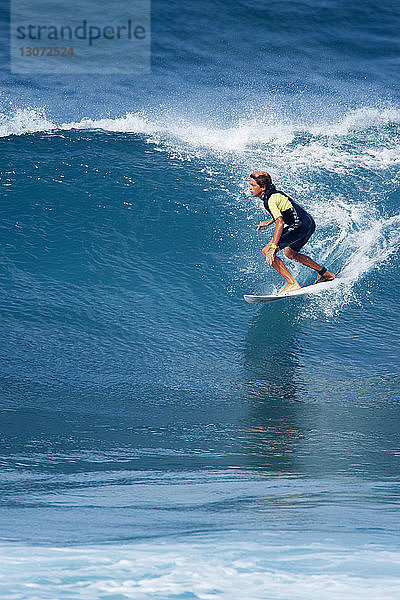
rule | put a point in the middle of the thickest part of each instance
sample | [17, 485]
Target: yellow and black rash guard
[278, 204]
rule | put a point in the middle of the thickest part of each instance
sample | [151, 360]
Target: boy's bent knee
[291, 253]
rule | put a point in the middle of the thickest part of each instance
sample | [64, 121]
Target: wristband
[274, 246]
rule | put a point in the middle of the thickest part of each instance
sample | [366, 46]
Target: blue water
[160, 438]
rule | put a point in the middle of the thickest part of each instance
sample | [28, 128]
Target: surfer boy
[293, 228]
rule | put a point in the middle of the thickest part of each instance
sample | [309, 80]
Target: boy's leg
[291, 283]
[308, 262]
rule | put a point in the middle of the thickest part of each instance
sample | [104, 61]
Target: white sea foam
[235, 138]
[199, 570]
[246, 132]
[129, 123]
[359, 252]
[27, 120]
[357, 120]
[267, 139]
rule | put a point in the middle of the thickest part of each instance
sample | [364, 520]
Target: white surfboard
[315, 288]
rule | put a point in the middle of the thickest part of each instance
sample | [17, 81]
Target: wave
[247, 131]
[345, 172]
[317, 145]
[304, 144]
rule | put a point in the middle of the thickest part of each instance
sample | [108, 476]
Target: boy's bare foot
[290, 287]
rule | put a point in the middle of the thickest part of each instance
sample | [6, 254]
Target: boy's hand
[270, 255]
[263, 224]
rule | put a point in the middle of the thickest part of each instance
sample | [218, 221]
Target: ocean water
[160, 438]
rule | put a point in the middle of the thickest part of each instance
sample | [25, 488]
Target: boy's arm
[279, 225]
[270, 254]
[264, 224]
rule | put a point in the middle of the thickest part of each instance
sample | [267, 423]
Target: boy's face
[255, 189]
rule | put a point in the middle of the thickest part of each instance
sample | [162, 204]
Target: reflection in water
[309, 411]
[271, 357]
[272, 390]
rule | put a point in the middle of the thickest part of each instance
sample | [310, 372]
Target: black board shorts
[296, 237]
